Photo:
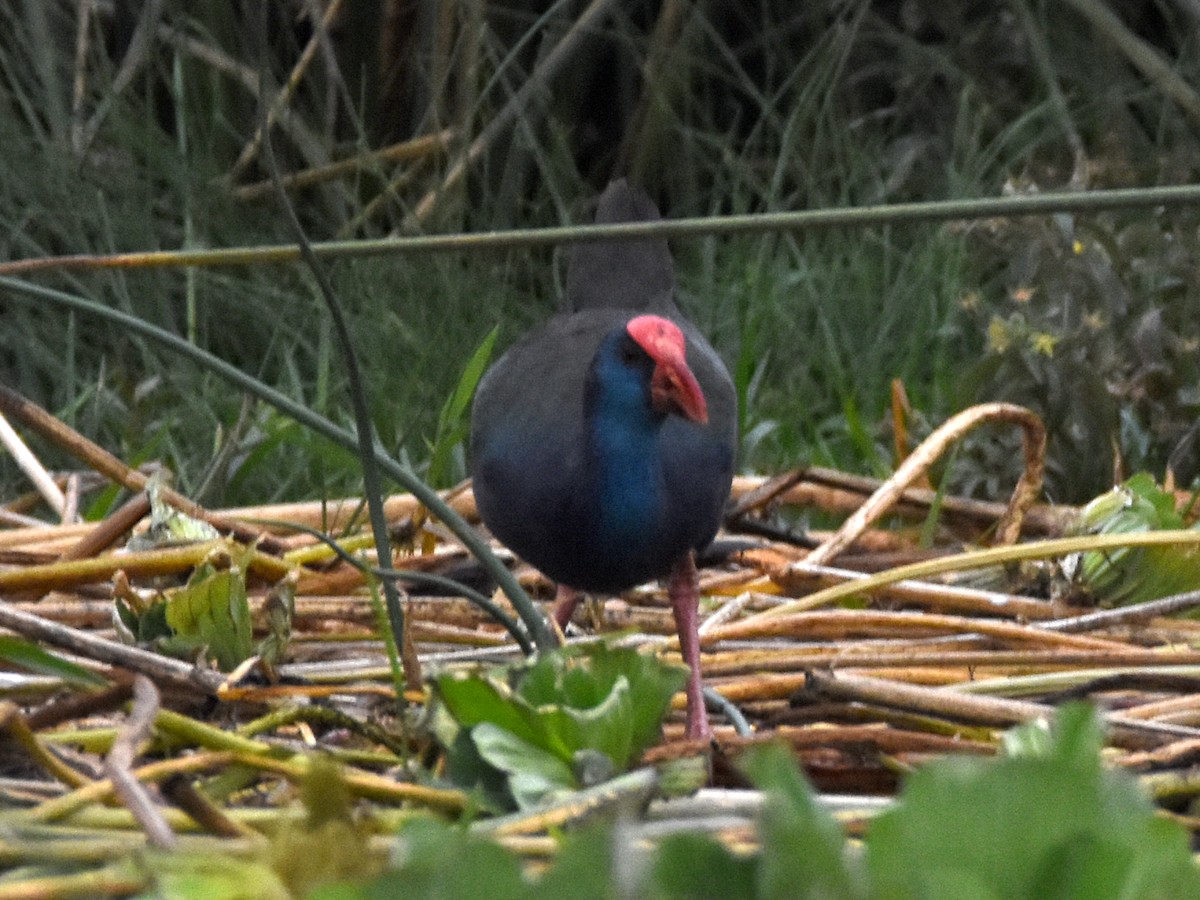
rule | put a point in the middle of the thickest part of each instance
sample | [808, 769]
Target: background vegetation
[130, 126]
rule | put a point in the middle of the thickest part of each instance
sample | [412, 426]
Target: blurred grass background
[130, 125]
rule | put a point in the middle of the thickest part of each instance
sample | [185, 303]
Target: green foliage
[210, 614]
[30, 657]
[330, 845]
[446, 461]
[792, 819]
[1049, 822]
[196, 876]
[1033, 826]
[569, 719]
[1133, 574]
[437, 861]
[1089, 323]
[766, 105]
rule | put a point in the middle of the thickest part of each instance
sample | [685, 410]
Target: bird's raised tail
[635, 274]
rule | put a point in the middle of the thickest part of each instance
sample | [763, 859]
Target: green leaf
[696, 867]
[452, 428]
[595, 710]
[32, 658]
[1127, 575]
[791, 819]
[212, 611]
[1052, 824]
[583, 869]
[533, 774]
[472, 697]
[211, 876]
[437, 861]
[617, 696]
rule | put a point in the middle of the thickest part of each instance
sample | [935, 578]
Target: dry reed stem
[139, 564]
[930, 450]
[950, 704]
[418, 148]
[840, 623]
[90, 646]
[119, 762]
[284, 97]
[15, 724]
[99, 459]
[33, 469]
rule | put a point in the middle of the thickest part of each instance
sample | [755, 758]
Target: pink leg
[684, 593]
[565, 601]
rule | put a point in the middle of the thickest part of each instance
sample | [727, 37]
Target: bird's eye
[629, 355]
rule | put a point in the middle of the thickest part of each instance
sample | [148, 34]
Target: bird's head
[673, 387]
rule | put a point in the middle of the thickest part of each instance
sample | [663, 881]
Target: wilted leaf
[1127, 575]
[168, 526]
[212, 611]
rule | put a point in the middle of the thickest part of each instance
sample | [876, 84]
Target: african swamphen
[603, 442]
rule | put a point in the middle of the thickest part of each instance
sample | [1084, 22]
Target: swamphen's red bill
[673, 387]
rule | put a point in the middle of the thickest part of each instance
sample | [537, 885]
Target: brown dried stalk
[118, 764]
[71, 441]
[930, 450]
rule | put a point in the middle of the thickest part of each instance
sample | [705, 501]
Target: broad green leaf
[436, 861]
[582, 870]
[603, 727]
[588, 679]
[1127, 575]
[696, 867]
[32, 658]
[533, 774]
[474, 697]
[804, 850]
[593, 709]
[1021, 825]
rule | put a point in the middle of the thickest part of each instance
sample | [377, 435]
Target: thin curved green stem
[1078, 202]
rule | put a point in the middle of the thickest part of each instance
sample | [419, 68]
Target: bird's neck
[626, 472]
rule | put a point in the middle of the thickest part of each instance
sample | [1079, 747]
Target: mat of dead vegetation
[923, 627]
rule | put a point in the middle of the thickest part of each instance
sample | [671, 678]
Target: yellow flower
[1043, 343]
[999, 335]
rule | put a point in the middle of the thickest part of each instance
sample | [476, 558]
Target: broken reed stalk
[948, 703]
[842, 623]
[119, 763]
[97, 458]
[930, 450]
[974, 559]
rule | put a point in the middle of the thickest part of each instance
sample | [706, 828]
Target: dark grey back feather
[635, 274]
